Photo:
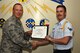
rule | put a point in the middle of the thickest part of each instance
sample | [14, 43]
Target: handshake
[35, 43]
[42, 42]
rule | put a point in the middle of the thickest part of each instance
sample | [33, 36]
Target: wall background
[73, 11]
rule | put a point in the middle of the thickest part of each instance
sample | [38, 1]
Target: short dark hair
[17, 4]
[62, 6]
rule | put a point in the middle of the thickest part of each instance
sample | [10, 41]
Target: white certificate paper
[39, 31]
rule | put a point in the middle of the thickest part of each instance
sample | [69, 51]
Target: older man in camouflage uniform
[13, 34]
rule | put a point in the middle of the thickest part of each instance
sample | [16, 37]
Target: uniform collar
[62, 21]
[14, 18]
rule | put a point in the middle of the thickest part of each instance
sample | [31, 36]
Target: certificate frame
[39, 32]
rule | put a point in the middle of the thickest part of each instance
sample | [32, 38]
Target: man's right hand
[34, 44]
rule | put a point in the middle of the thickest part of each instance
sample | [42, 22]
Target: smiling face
[60, 13]
[18, 10]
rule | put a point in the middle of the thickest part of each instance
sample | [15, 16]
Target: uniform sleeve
[17, 36]
[68, 31]
[53, 29]
[52, 33]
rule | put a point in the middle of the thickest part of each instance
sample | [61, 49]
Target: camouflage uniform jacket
[13, 37]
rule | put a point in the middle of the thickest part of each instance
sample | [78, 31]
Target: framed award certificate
[39, 32]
